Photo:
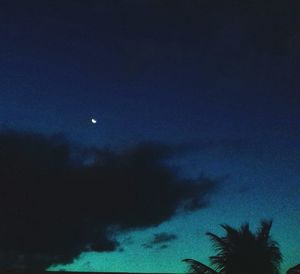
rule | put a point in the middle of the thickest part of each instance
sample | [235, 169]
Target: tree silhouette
[198, 268]
[294, 270]
[242, 252]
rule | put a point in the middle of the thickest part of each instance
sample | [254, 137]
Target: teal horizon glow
[239, 200]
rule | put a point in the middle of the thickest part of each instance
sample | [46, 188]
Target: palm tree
[294, 270]
[198, 268]
[242, 252]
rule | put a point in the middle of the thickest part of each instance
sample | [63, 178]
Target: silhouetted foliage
[242, 252]
[196, 267]
[294, 270]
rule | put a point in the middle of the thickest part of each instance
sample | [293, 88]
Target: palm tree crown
[242, 252]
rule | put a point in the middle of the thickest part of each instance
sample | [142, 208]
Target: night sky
[198, 124]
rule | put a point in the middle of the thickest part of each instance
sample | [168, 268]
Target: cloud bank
[52, 208]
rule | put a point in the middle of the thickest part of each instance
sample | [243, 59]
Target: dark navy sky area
[150, 69]
[220, 77]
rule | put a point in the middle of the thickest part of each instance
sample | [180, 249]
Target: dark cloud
[52, 208]
[163, 238]
[160, 240]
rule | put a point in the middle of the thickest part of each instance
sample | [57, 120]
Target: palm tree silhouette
[294, 270]
[242, 252]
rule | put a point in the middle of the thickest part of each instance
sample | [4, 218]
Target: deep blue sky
[220, 77]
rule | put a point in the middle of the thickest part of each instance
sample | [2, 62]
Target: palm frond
[219, 243]
[264, 230]
[198, 268]
[242, 251]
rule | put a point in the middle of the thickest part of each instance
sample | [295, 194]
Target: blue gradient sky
[220, 78]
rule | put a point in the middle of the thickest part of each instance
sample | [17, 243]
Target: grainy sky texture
[197, 108]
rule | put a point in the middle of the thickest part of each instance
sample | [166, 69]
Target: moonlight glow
[94, 121]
